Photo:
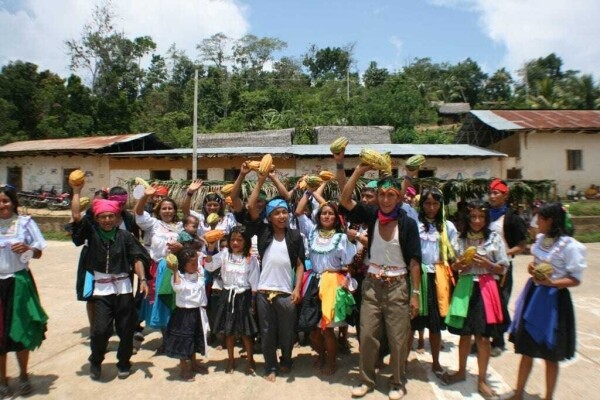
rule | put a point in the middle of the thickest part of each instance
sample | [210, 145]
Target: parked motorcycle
[60, 202]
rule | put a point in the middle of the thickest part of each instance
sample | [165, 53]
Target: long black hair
[240, 229]
[477, 205]
[561, 222]
[337, 225]
[436, 195]
[11, 193]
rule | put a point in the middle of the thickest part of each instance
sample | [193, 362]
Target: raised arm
[346, 196]
[340, 173]
[193, 188]
[281, 189]
[138, 209]
[252, 200]
[75, 211]
[237, 203]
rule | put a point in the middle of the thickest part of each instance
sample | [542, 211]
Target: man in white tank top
[387, 303]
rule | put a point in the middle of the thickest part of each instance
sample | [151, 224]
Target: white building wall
[46, 172]
[544, 156]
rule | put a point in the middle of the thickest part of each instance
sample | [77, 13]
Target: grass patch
[584, 208]
[53, 235]
[588, 237]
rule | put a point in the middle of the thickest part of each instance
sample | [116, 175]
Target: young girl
[240, 273]
[184, 336]
[533, 332]
[330, 251]
[475, 308]
[439, 242]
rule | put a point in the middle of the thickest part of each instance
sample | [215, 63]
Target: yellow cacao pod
[214, 235]
[172, 261]
[83, 203]
[326, 175]
[226, 189]
[140, 181]
[376, 160]
[313, 182]
[265, 164]
[415, 162]
[338, 144]
[469, 254]
[302, 184]
[212, 219]
[77, 178]
[543, 271]
[254, 165]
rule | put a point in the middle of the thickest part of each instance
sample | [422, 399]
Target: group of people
[301, 263]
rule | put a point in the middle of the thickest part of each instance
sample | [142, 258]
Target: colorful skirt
[184, 335]
[528, 343]
[474, 314]
[23, 321]
[433, 320]
[156, 307]
[234, 315]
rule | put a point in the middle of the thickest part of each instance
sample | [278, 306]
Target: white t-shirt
[276, 271]
[386, 253]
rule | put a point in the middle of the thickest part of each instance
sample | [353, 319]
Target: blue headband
[276, 203]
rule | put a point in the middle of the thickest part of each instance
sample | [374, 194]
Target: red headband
[161, 190]
[499, 185]
[100, 206]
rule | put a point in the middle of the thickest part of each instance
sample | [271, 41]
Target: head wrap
[411, 191]
[389, 183]
[100, 206]
[499, 185]
[161, 190]
[119, 198]
[276, 203]
[371, 185]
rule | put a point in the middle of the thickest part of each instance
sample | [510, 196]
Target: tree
[328, 63]
[375, 76]
[251, 52]
[215, 49]
[498, 89]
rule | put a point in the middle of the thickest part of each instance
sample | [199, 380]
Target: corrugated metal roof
[70, 144]
[315, 150]
[540, 119]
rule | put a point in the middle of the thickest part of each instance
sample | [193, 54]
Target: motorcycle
[60, 202]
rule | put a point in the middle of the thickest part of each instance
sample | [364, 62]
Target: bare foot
[187, 376]
[486, 392]
[271, 377]
[437, 370]
[250, 368]
[219, 348]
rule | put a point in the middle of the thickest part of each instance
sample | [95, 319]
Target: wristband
[339, 165]
[308, 193]
[415, 291]
[408, 178]
[189, 193]
[143, 280]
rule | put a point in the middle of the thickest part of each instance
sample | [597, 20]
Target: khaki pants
[384, 306]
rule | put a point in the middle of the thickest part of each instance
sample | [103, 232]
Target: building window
[514, 173]
[230, 175]
[574, 160]
[200, 173]
[426, 173]
[14, 177]
[160, 175]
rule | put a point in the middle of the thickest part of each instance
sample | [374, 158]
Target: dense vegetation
[243, 86]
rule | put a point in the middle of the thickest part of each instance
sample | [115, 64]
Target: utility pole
[195, 130]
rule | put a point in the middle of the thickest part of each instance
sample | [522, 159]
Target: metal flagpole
[195, 134]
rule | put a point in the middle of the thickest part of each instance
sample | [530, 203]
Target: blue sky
[495, 33]
[392, 33]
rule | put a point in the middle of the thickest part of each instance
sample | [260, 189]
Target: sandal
[25, 387]
[450, 379]
[4, 391]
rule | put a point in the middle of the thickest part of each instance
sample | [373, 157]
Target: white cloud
[397, 43]
[37, 30]
[535, 28]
